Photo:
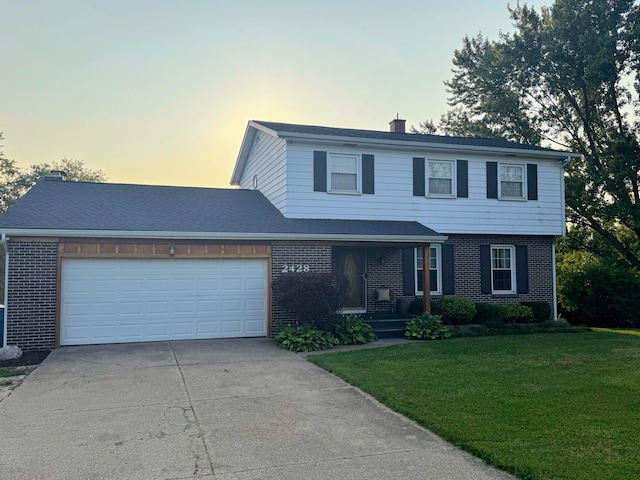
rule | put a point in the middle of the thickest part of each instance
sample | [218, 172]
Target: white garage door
[140, 300]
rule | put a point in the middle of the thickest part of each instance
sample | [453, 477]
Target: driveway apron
[234, 409]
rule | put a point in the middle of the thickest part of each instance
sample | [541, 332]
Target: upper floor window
[435, 270]
[512, 178]
[344, 173]
[440, 177]
[503, 269]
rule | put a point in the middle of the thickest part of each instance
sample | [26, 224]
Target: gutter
[338, 237]
[409, 145]
[3, 242]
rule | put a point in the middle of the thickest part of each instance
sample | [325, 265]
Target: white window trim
[330, 188]
[453, 179]
[438, 270]
[514, 287]
[524, 181]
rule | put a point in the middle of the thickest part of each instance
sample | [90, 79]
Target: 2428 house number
[299, 268]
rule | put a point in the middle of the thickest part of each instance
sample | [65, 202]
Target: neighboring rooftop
[77, 207]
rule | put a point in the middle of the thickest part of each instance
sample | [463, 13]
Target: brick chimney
[397, 126]
[56, 175]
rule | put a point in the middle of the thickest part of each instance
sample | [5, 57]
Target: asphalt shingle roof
[403, 137]
[76, 206]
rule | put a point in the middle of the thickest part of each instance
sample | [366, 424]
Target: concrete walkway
[213, 409]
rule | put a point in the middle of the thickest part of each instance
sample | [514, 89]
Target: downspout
[3, 242]
[562, 164]
[555, 286]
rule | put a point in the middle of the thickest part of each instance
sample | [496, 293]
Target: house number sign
[298, 268]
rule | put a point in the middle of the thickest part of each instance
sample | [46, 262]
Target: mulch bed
[27, 359]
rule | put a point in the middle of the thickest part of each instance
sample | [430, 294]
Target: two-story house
[394, 213]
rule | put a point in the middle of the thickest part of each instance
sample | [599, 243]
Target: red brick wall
[384, 270]
[31, 310]
[318, 257]
[466, 254]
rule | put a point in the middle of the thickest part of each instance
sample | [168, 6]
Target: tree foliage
[15, 182]
[568, 77]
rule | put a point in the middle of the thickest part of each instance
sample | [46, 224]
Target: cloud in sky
[159, 92]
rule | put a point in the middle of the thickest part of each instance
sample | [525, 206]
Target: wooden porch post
[426, 279]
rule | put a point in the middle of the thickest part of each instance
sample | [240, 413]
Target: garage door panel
[133, 300]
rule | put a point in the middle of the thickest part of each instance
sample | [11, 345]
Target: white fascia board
[339, 237]
[408, 145]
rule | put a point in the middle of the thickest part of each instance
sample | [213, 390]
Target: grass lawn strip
[539, 406]
[617, 330]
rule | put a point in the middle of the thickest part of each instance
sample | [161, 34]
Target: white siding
[267, 161]
[394, 200]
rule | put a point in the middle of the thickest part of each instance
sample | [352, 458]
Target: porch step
[389, 327]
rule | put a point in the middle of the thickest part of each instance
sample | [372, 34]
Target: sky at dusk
[160, 92]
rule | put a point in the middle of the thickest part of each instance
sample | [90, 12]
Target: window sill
[505, 294]
[343, 192]
[512, 199]
[435, 195]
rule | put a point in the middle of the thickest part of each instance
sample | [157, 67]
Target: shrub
[416, 306]
[515, 313]
[313, 297]
[541, 310]
[456, 311]
[352, 330]
[597, 292]
[488, 314]
[304, 338]
[427, 327]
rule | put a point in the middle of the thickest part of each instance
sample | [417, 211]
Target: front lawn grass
[539, 406]
[11, 371]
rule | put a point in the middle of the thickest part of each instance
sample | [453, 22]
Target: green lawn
[563, 406]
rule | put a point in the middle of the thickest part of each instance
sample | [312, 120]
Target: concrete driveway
[213, 409]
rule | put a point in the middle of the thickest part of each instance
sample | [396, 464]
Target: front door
[350, 265]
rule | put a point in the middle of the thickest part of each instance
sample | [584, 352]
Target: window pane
[420, 282]
[440, 170]
[433, 258]
[501, 258]
[433, 279]
[440, 186]
[511, 189]
[344, 164]
[502, 280]
[419, 262]
[344, 181]
[511, 173]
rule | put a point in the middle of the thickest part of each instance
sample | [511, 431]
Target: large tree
[568, 77]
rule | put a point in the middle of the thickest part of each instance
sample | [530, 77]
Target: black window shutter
[448, 287]
[418, 177]
[522, 268]
[532, 181]
[462, 178]
[319, 171]
[485, 269]
[492, 179]
[368, 174]
[408, 271]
